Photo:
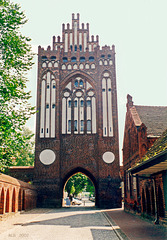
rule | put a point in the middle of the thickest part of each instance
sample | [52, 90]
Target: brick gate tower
[77, 122]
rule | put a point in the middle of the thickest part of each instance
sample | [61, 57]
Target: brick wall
[15, 195]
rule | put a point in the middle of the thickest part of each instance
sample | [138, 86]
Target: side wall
[15, 195]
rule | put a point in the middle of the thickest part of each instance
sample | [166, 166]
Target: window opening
[69, 125]
[69, 103]
[109, 89]
[88, 103]
[81, 83]
[91, 59]
[80, 47]
[53, 57]
[44, 58]
[82, 125]
[47, 105]
[82, 59]
[75, 125]
[102, 56]
[65, 59]
[53, 106]
[75, 48]
[73, 59]
[42, 130]
[82, 103]
[75, 103]
[103, 90]
[89, 125]
[47, 130]
[76, 83]
[71, 47]
[48, 86]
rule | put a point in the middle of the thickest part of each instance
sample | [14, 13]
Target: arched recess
[152, 201]
[161, 209]
[143, 202]
[23, 200]
[2, 201]
[14, 200]
[20, 200]
[47, 105]
[148, 201]
[75, 74]
[107, 103]
[7, 201]
[79, 105]
[85, 172]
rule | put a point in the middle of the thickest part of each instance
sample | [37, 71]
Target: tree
[25, 156]
[90, 187]
[76, 184]
[15, 60]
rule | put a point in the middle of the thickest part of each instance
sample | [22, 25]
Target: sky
[137, 28]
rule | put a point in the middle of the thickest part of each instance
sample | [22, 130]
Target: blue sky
[137, 28]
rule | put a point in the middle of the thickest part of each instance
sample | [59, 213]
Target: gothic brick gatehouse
[145, 160]
[77, 122]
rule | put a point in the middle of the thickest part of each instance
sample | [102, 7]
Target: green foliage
[90, 187]
[25, 156]
[15, 59]
[77, 183]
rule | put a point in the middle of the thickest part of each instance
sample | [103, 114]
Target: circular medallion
[66, 94]
[79, 94]
[108, 157]
[90, 93]
[47, 157]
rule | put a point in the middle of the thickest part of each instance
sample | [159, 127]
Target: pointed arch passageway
[79, 188]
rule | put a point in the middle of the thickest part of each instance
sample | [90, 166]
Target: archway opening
[14, 201]
[7, 201]
[2, 201]
[20, 201]
[79, 190]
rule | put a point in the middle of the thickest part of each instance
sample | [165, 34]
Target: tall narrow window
[75, 103]
[69, 103]
[88, 103]
[76, 83]
[81, 83]
[82, 125]
[89, 125]
[75, 126]
[82, 103]
[69, 125]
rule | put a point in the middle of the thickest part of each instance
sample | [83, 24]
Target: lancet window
[78, 107]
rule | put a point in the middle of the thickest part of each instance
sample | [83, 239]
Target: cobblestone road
[58, 224]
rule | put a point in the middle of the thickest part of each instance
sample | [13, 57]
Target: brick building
[77, 122]
[144, 160]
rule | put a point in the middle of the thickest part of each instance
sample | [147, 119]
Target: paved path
[58, 224]
[135, 227]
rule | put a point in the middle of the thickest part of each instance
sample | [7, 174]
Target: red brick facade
[141, 192]
[15, 195]
[77, 143]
